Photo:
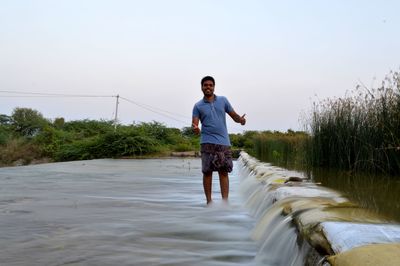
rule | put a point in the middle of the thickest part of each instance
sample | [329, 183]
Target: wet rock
[294, 179]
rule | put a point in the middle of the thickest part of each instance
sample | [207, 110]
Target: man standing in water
[215, 144]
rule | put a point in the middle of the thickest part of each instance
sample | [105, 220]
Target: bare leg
[224, 183]
[207, 184]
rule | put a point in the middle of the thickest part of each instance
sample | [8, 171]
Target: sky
[271, 59]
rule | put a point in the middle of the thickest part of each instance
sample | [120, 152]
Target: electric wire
[49, 96]
[152, 109]
[159, 111]
[38, 94]
[162, 110]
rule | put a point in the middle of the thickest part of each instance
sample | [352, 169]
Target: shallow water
[120, 212]
[378, 193]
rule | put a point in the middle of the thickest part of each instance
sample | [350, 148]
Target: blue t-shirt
[212, 118]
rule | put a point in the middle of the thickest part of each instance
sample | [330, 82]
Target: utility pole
[116, 113]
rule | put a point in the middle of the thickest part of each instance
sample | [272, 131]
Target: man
[215, 144]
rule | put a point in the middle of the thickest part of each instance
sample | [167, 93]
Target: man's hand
[196, 129]
[243, 120]
[237, 118]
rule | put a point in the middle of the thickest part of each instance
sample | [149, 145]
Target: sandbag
[344, 236]
[369, 255]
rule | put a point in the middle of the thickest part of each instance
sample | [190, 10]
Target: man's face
[208, 88]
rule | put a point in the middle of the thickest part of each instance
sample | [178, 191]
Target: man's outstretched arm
[237, 118]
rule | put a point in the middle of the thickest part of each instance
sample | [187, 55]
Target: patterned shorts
[216, 157]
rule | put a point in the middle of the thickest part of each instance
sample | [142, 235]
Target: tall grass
[360, 131]
[19, 151]
[285, 149]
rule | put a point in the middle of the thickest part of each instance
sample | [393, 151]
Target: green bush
[51, 140]
[108, 145]
[119, 144]
[5, 134]
[78, 150]
[87, 139]
[88, 128]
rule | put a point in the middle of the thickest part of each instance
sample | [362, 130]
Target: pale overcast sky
[270, 58]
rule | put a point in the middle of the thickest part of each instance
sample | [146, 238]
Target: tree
[188, 132]
[59, 122]
[27, 122]
[5, 119]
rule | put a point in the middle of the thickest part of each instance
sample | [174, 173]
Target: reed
[19, 151]
[281, 148]
[359, 132]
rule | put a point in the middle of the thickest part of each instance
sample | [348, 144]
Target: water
[378, 193]
[278, 240]
[301, 223]
[121, 212]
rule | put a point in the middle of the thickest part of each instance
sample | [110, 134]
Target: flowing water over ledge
[120, 212]
[303, 223]
[152, 212]
[377, 192]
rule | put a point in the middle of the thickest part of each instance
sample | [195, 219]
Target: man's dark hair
[207, 78]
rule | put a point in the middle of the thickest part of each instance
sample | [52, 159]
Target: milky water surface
[120, 212]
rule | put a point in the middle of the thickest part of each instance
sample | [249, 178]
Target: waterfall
[298, 222]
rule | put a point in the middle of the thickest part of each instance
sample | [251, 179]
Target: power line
[152, 109]
[24, 94]
[39, 94]
[49, 96]
[159, 109]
